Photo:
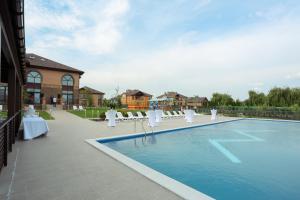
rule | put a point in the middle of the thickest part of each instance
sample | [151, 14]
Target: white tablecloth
[34, 127]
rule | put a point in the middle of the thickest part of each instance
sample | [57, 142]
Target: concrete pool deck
[63, 166]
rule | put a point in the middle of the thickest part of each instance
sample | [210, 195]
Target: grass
[97, 112]
[43, 114]
[89, 112]
[3, 114]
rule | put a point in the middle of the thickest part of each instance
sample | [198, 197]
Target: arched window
[67, 89]
[33, 85]
[67, 80]
[34, 77]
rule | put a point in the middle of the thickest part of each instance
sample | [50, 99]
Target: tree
[219, 99]
[256, 99]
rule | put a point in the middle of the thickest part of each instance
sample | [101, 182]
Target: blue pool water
[245, 159]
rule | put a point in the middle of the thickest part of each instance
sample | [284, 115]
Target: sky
[194, 47]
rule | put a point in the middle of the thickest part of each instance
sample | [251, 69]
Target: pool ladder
[145, 132]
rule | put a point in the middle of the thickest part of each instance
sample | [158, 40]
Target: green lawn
[3, 114]
[44, 114]
[98, 112]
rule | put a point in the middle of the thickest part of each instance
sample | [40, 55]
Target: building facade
[12, 68]
[135, 99]
[196, 102]
[90, 97]
[174, 100]
[47, 80]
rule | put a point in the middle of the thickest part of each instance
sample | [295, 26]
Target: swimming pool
[244, 159]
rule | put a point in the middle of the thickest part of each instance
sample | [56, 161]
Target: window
[3, 95]
[67, 89]
[33, 86]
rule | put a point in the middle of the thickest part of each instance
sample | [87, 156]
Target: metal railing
[8, 132]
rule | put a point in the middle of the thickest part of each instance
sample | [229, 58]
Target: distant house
[47, 79]
[196, 102]
[135, 99]
[90, 97]
[175, 100]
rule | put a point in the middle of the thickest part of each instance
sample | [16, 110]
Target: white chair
[80, 108]
[169, 114]
[175, 114]
[31, 107]
[106, 116]
[147, 116]
[75, 107]
[130, 116]
[189, 115]
[213, 114]
[158, 116]
[140, 115]
[152, 118]
[120, 116]
[1, 107]
[111, 115]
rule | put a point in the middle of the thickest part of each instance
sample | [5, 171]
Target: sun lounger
[169, 114]
[176, 114]
[75, 107]
[164, 115]
[140, 115]
[120, 116]
[80, 108]
[181, 113]
[130, 116]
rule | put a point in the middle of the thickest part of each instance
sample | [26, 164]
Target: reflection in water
[151, 139]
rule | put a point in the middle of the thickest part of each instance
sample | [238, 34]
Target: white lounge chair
[1, 107]
[130, 116]
[181, 113]
[80, 108]
[120, 116]
[75, 107]
[175, 114]
[164, 115]
[169, 114]
[140, 115]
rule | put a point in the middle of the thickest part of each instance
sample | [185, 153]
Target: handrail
[8, 120]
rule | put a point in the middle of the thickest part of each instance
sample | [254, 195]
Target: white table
[34, 127]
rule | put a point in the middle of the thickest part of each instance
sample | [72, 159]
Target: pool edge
[180, 189]
[166, 182]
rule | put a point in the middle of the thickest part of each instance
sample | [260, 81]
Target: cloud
[68, 25]
[258, 54]
[295, 76]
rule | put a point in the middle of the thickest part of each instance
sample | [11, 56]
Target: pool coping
[180, 189]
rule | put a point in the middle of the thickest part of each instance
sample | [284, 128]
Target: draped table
[34, 126]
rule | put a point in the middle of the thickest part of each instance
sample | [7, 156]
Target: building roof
[39, 61]
[91, 90]
[197, 99]
[171, 95]
[136, 92]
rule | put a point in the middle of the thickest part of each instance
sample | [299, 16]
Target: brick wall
[51, 83]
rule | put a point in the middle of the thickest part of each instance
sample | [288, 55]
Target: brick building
[46, 79]
[135, 99]
[90, 97]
